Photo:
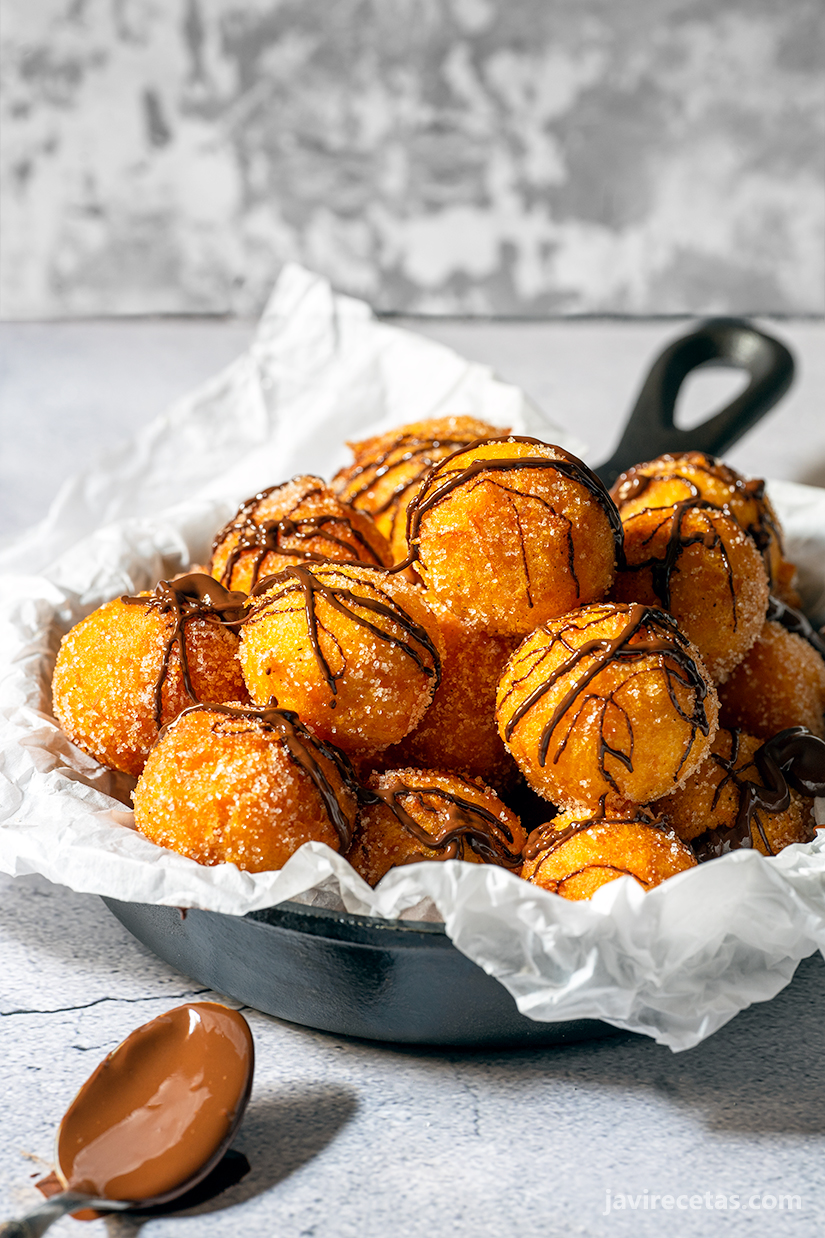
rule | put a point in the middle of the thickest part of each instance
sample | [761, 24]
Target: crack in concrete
[475, 1102]
[7, 1014]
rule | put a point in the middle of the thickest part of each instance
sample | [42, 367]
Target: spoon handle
[39, 1219]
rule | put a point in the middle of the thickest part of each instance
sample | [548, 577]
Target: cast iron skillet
[404, 981]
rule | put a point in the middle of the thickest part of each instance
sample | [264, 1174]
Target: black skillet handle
[650, 430]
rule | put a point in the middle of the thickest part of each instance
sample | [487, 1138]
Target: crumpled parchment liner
[675, 963]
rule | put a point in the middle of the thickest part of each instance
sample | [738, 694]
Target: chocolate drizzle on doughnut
[196, 596]
[662, 568]
[794, 621]
[545, 839]
[412, 447]
[299, 580]
[441, 481]
[764, 531]
[647, 632]
[792, 758]
[288, 536]
[301, 748]
[467, 825]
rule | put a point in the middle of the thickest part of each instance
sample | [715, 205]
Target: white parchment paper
[675, 963]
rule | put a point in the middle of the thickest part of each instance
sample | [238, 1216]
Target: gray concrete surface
[349, 1138]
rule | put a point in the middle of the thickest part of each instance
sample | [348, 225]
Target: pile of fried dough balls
[464, 647]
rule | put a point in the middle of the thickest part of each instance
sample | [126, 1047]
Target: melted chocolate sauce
[159, 1111]
[764, 530]
[442, 481]
[288, 536]
[298, 579]
[794, 621]
[647, 632]
[301, 747]
[196, 596]
[793, 758]
[545, 839]
[468, 824]
[662, 569]
[412, 447]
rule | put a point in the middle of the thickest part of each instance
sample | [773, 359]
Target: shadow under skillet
[279, 1134]
[759, 1074]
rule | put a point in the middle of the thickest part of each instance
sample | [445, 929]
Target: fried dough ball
[121, 672]
[388, 469]
[355, 652]
[575, 855]
[698, 564]
[719, 809]
[299, 520]
[512, 532]
[423, 814]
[694, 475]
[610, 703]
[780, 683]
[243, 786]
[458, 731]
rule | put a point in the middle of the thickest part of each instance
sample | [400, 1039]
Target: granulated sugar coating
[388, 469]
[356, 653]
[300, 520]
[109, 669]
[712, 800]
[607, 704]
[697, 563]
[577, 855]
[554, 642]
[696, 476]
[780, 683]
[221, 788]
[424, 814]
[512, 532]
[458, 731]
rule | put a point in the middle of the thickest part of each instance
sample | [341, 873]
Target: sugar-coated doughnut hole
[513, 531]
[421, 814]
[122, 672]
[243, 787]
[458, 731]
[610, 703]
[696, 476]
[356, 653]
[387, 469]
[717, 811]
[697, 563]
[298, 521]
[575, 855]
[780, 683]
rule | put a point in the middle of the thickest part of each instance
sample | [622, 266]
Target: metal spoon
[154, 1118]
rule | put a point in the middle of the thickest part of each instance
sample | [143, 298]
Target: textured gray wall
[436, 156]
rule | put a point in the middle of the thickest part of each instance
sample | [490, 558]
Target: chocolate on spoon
[154, 1118]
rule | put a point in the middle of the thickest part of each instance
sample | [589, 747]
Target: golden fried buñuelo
[354, 651]
[299, 521]
[133, 664]
[245, 786]
[423, 814]
[609, 703]
[511, 532]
